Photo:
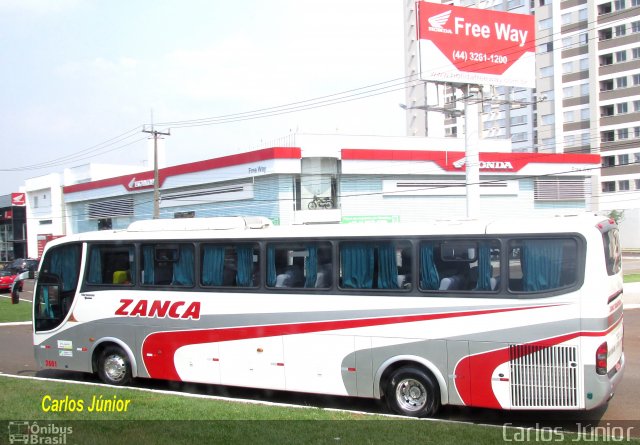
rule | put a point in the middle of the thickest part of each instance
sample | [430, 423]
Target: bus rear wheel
[412, 392]
[114, 367]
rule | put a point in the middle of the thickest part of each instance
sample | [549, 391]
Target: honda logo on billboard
[470, 45]
[438, 21]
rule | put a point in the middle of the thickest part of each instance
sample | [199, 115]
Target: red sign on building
[18, 199]
[43, 240]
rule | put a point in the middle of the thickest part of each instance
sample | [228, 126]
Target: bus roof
[261, 228]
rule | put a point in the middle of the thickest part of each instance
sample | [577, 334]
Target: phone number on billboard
[480, 57]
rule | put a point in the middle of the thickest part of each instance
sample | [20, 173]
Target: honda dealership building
[356, 178]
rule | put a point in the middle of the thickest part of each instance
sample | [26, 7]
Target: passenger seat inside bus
[163, 273]
[121, 277]
[454, 282]
[291, 277]
[323, 277]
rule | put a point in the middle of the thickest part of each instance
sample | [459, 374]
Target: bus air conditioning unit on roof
[185, 224]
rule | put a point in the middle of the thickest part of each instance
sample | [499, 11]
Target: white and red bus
[511, 314]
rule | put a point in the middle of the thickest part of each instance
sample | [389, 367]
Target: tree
[617, 215]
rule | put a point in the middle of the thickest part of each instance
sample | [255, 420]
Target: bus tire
[114, 367]
[412, 392]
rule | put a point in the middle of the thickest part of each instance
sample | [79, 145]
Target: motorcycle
[323, 202]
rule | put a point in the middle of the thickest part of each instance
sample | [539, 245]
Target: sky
[81, 77]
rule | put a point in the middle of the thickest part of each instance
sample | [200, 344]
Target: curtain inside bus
[244, 275]
[65, 264]
[357, 265]
[541, 264]
[95, 266]
[148, 274]
[311, 266]
[213, 265]
[429, 278]
[387, 266]
[485, 270]
[183, 269]
[271, 266]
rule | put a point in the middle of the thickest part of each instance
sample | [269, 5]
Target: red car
[6, 280]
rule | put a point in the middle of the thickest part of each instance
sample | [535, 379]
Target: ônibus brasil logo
[438, 21]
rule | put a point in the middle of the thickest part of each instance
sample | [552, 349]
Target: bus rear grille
[543, 377]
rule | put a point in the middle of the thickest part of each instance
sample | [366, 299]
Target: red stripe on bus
[614, 296]
[158, 349]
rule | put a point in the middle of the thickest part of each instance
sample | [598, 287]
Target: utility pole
[472, 164]
[156, 180]
[472, 159]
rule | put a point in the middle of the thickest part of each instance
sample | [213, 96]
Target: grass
[13, 312]
[153, 417]
[160, 418]
[632, 278]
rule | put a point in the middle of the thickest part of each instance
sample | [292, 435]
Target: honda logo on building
[486, 165]
[140, 183]
[18, 199]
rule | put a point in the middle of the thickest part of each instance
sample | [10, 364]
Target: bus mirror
[46, 299]
[45, 278]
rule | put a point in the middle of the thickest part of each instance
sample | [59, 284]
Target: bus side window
[299, 265]
[460, 265]
[229, 265]
[57, 285]
[110, 264]
[376, 265]
[168, 264]
[538, 265]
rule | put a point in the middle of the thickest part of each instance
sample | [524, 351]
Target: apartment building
[589, 53]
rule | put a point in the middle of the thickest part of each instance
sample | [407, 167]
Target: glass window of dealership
[13, 230]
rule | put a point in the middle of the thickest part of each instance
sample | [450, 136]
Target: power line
[359, 93]
[82, 154]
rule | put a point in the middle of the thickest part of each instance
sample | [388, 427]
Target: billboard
[478, 46]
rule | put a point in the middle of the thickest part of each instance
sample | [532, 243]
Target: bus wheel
[412, 392]
[114, 367]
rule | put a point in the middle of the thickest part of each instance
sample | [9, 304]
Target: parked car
[20, 265]
[7, 277]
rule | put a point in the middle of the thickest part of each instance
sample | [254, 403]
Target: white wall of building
[46, 212]
[45, 209]
[630, 230]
